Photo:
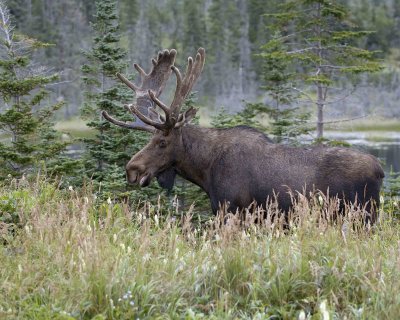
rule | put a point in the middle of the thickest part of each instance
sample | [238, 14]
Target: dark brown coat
[240, 165]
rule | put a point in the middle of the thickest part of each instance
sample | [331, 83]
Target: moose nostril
[131, 176]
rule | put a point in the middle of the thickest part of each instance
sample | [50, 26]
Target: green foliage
[392, 193]
[108, 152]
[26, 126]
[284, 125]
[252, 115]
[287, 122]
[313, 46]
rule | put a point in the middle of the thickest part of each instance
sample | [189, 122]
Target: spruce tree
[287, 122]
[26, 129]
[320, 43]
[108, 152]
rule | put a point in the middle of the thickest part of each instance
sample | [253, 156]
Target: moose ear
[189, 114]
[186, 117]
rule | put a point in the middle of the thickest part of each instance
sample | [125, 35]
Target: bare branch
[342, 98]
[303, 93]
[5, 24]
[348, 119]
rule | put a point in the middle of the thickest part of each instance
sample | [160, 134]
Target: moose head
[158, 157]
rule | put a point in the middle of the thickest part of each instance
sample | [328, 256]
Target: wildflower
[66, 313]
[109, 200]
[132, 303]
[382, 199]
[129, 250]
[320, 200]
[70, 188]
[324, 311]
[302, 315]
[156, 221]
[125, 296]
[122, 246]
[146, 257]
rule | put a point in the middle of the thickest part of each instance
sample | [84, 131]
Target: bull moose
[238, 165]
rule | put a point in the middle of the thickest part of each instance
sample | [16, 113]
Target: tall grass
[73, 258]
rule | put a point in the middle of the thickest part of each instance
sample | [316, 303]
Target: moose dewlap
[239, 165]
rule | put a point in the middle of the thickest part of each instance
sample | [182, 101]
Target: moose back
[239, 165]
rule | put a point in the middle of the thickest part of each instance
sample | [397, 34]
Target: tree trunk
[320, 92]
[320, 112]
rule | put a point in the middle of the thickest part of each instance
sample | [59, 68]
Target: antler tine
[131, 125]
[140, 70]
[153, 113]
[177, 101]
[189, 66]
[197, 68]
[146, 120]
[160, 104]
[131, 85]
[185, 85]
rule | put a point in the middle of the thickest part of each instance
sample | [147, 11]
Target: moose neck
[197, 149]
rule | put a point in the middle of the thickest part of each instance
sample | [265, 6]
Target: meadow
[66, 255]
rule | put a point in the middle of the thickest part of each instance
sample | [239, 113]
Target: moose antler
[154, 81]
[183, 87]
[151, 88]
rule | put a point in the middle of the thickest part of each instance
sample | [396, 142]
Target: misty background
[231, 31]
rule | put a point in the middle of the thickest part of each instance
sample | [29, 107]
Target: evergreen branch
[336, 67]
[58, 83]
[317, 48]
[292, 34]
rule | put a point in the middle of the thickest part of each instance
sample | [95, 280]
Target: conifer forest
[257, 179]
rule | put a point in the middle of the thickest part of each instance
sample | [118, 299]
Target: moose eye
[163, 144]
